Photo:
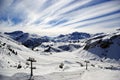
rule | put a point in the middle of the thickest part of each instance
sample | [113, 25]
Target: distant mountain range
[98, 46]
[29, 40]
[71, 37]
[33, 40]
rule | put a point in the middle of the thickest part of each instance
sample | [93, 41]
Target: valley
[100, 51]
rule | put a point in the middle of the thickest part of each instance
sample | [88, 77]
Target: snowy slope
[12, 54]
[105, 46]
[47, 66]
[29, 40]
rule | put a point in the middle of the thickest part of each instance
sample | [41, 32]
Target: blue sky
[53, 17]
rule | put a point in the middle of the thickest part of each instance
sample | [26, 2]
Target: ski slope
[47, 65]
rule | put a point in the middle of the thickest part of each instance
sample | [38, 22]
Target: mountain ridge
[35, 40]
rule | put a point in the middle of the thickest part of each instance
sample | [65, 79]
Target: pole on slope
[31, 62]
[86, 64]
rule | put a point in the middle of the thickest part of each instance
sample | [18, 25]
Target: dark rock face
[105, 44]
[68, 47]
[99, 43]
[105, 47]
[79, 35]
[51, 49]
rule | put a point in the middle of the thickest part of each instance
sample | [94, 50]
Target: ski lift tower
[86, 64]
[31, 61]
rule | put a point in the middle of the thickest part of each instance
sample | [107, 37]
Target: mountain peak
[15, 32]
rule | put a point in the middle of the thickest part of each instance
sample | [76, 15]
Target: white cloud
[32, 11]
[94, 11]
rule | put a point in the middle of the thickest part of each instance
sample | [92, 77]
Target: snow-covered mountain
[13, 55]
[57, 47]
[100, 44]
[13, 64]
[29, 40]
[105, 45]
[33, 40]
[75, 36]
[101, 51]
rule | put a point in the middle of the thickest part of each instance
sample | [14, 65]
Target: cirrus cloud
[52, 17]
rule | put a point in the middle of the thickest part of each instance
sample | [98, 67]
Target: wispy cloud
[59, 16]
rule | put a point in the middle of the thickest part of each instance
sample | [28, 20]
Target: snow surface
[47, 65]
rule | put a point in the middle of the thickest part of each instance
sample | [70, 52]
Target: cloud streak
[59, 16]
